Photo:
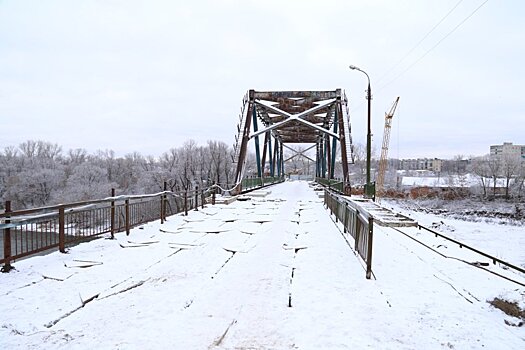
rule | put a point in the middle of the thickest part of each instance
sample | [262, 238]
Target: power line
[433, 47]
[419, 42]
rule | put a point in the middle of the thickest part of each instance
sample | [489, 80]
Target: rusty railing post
[196, 198]
[126, 205]
[369, 253]
[213, 194]
[61, 230]
[203, 199]
[185, 203]
[112, 214]
[7, 241]
[162, 205]
[165, 200]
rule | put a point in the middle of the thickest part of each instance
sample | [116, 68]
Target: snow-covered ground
[269, 273]
[503, 238]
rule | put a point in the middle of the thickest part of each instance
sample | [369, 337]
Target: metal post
[245, 138]
[61, 230]
[213, 194]
[369, 191]
[126, 205]
[345, 218]
[369, 144]
[334, 146]
[196, 198]
[323, 157]
[202, 199]
[112, 213]
[257, 151]
[328, 157]
[185, 203]
[273, 159]
[318, 160]
[162, 204]
[357, 230]
[369, 253]
[265, 148]
[281, 159]
[7, 241]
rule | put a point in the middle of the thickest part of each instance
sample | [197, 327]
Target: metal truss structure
[319, 118]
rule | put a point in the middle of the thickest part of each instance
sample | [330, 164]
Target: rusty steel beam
[297, 117]
[323, 95]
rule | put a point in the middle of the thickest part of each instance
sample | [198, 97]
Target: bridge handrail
[334, 184]
[30, 231]
[355, 221]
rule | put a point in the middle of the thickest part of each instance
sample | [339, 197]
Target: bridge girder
[286, 117]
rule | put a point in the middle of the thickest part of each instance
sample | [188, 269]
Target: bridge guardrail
[31, 231]
[334, 184]
[250, 183]
[355, 221]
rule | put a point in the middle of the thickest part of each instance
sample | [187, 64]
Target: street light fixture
[369, 188]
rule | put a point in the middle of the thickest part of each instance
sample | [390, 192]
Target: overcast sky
[148, 75]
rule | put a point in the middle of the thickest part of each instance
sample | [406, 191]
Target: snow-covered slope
[269, 273]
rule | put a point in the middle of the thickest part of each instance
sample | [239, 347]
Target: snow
[221, 278]
[458, 181]
[504, 239]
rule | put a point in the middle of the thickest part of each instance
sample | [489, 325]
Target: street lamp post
[369, 190]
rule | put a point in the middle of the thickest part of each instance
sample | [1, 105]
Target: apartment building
[434, 164]
[508, 150]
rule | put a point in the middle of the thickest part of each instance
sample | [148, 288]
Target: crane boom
[384, 149]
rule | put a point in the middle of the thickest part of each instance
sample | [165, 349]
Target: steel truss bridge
[279, 119]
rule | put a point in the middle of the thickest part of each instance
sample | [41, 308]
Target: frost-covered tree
[494, 167]
[36, 173]
[479, 166]
[509, 168]
[219, 155]
[358, 169]
[87, 181]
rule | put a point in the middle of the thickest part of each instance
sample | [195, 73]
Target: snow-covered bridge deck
[269, 273]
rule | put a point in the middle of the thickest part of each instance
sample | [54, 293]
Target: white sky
[147, 75]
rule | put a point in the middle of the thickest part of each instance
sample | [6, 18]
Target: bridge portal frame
[294, 117]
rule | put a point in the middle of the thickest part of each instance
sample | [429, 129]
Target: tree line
[40, 173]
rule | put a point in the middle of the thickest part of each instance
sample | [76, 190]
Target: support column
[282, 158]
[328, 157]
[274, 159]
[342, 141]
[245, 138]
[257, 150]
[323, 158]
[265, 149]
[334, 146]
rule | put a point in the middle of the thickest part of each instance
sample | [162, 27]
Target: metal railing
[250, 183]
[463, 245]
[31, 231]
[355, 221]
[334, 184]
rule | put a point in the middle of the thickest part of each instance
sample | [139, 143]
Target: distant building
[508, 150]
[434, 164]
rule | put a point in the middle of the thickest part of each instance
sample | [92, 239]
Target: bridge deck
[269, 273]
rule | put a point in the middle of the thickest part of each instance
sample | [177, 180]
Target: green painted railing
[251, 183]
[356, 222]
[335, 184]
